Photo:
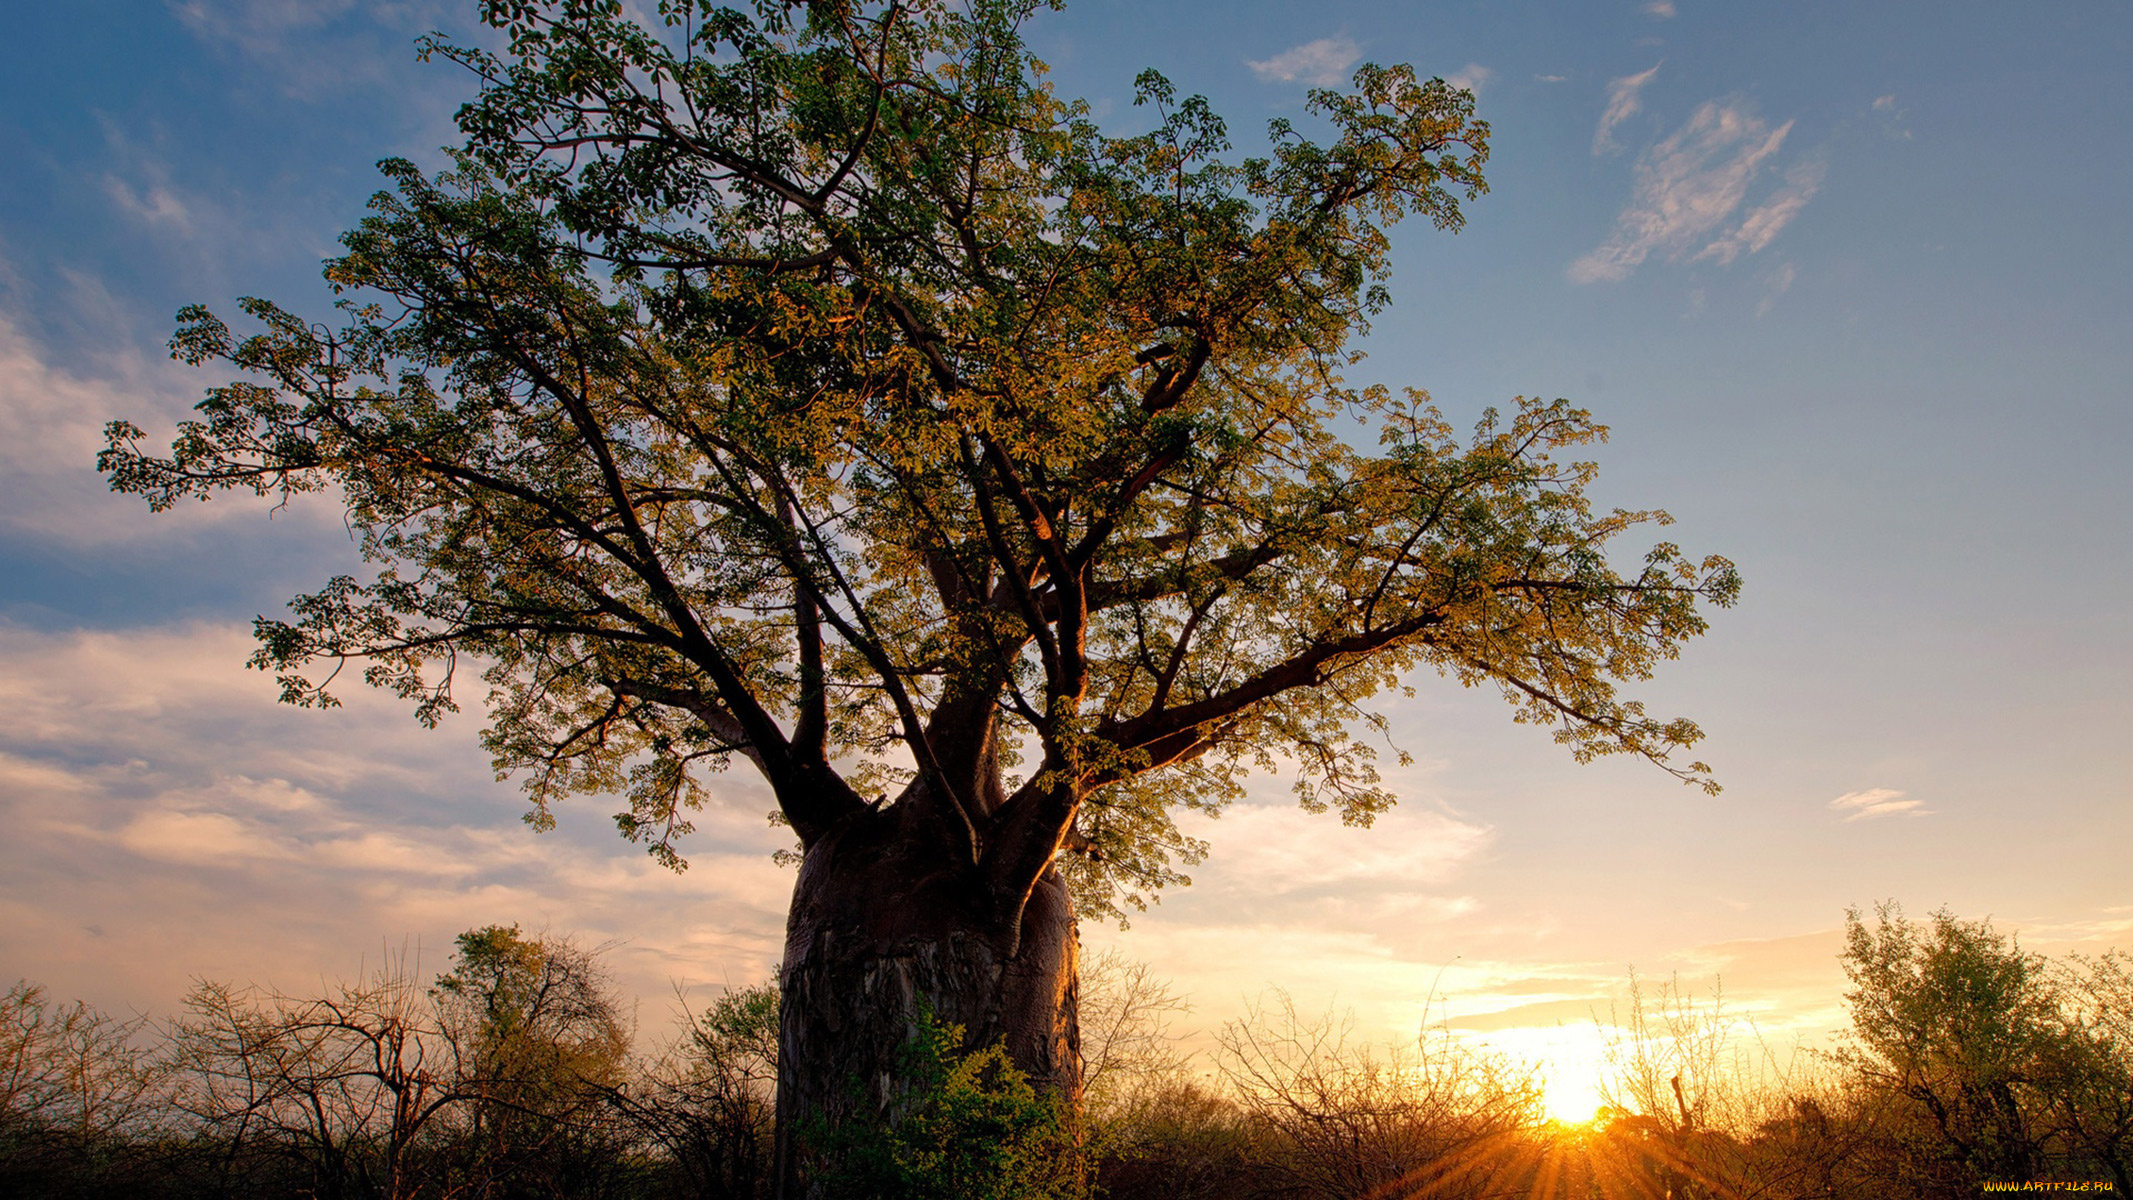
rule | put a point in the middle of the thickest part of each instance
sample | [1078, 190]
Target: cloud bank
[167, 819]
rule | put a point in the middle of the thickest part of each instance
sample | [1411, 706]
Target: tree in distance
[538, 1040]
[814, 388]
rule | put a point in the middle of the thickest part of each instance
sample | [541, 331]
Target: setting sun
[1571, 1096]
[1569, 1063]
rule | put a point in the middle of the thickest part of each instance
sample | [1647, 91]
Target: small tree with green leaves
[2088, 1073]
[540, 1043]
[1962, 1025]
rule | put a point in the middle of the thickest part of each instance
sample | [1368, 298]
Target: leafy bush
[969, 1127]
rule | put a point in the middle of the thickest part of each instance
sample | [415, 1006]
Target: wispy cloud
[1471, 77]
[1551, 78]
[1623, 102]
[50, 419]
[1877, 802]
[1690, 185]
[293, 33]
[1768, 219]
[1790, 980]
[51, 426]
[276, 31]
[1280, 848]
[2089, 935]
[1662, 9]
[1321, 63]
[1780, 282]
[314, 46]
[140, 185]
[153, 203]
[1891, 117]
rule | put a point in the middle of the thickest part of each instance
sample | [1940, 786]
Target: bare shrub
[337, 1091]
[1338, 1119]
[1696, 1102]
[1127, 1045]
[77, 1092]
[706, 1100]
[495, 1080]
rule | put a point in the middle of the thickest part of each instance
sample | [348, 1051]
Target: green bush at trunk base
[970, 1127]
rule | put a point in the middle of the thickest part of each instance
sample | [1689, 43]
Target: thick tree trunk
[881, 929]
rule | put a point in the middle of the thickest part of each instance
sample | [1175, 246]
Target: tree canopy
[814, 387]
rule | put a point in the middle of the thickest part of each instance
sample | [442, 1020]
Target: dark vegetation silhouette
[515, 1074]
[811, 388]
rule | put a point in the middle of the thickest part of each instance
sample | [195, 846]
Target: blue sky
[1850, 282]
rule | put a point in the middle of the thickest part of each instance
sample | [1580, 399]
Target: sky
[1852, 285]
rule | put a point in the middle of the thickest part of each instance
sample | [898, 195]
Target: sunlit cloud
[50, 419]
[153, 764]
[1762, 225]
[1535, 1014]
[1321, 63]
[1330, 911]
[1391, 994]
[1471, 77]
[1689, 185]
[1282, 849]
[1791, 983]
[2093, 935]
[207, 839]
[1662, 9]
[52, 422]
[1623, 102]
[1877, 802]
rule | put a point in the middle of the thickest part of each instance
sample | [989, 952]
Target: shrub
[969, 1127]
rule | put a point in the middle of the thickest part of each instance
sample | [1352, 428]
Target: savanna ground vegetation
[1968, 1065]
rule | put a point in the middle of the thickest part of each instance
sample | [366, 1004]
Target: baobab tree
[815, 389]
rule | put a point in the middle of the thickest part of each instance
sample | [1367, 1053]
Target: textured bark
[882, 929]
